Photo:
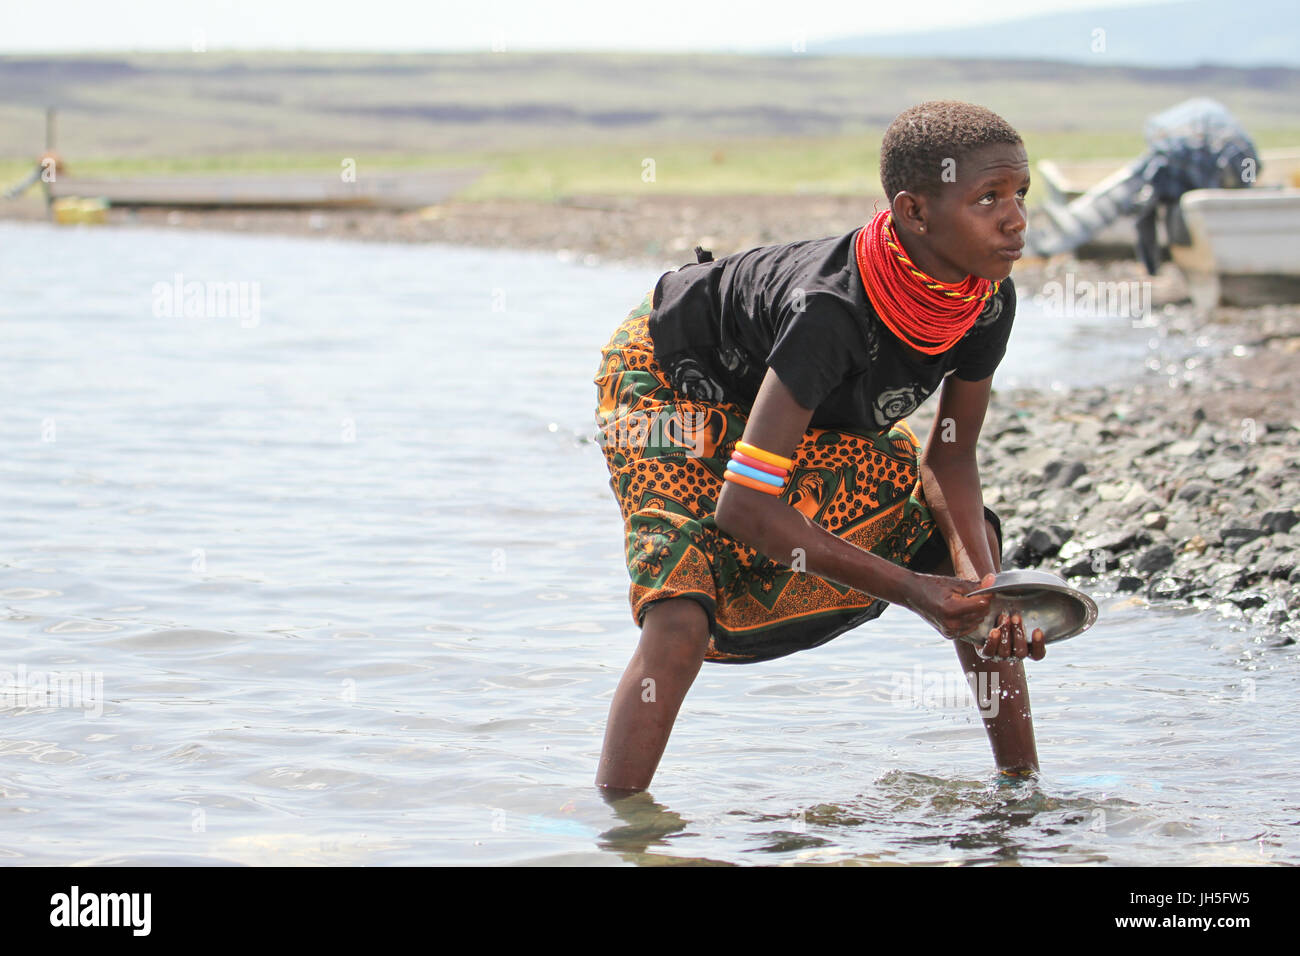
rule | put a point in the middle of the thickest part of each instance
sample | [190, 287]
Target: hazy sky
[678, 25]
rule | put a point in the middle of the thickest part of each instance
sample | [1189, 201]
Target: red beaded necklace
[929, 315]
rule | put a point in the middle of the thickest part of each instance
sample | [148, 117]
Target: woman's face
[975, 224]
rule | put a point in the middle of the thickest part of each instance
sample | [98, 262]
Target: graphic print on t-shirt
[873, 343]
[688, 377]
[895, 404]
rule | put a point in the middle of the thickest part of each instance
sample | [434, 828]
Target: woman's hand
[942, 603]
[1009, 637]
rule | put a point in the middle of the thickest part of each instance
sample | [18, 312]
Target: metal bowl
[1042, 600]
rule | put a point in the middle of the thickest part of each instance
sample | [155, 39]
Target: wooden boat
[400, 190]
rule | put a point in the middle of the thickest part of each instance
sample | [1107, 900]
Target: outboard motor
[1194, 145]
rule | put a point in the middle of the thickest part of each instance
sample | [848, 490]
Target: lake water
[338, 578]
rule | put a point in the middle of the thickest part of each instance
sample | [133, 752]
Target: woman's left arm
[950, 475]
[951, 481]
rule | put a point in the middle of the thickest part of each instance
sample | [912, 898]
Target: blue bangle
[754, 473]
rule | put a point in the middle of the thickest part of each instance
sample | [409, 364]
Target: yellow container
[72, 211]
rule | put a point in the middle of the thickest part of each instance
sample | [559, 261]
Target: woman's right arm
[768, 524]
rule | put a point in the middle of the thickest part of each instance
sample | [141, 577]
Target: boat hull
[1245, 246]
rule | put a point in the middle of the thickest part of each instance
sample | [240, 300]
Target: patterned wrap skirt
[666, 456]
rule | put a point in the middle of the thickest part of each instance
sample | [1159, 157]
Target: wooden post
[48, 156]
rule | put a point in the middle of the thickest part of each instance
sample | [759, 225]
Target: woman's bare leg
[1010, 726]
[674, 639]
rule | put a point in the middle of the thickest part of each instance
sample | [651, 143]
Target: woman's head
[956, 176]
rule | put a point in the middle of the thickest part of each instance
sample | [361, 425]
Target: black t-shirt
[801, 309]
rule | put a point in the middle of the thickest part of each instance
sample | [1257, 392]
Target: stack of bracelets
[761, 470]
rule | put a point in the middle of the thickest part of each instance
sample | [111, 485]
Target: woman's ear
[909, 212]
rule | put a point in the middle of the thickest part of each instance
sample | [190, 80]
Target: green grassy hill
[546, 125]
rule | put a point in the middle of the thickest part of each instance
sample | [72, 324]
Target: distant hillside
[1245, 34]
[212, 104]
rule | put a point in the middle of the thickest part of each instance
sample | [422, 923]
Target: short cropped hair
[920, 138]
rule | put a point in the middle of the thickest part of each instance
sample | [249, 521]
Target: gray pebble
[1275, 522]
[1155, 559]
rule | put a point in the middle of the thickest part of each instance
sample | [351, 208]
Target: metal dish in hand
[1042, 600]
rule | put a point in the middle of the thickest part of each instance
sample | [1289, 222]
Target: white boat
[1244, 243]
[1245, 246]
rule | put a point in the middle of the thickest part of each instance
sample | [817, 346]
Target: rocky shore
[1180, 485]
[1183, 493]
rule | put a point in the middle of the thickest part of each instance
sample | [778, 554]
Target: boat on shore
[1245, 246]
[391, 190]
[1242, 246]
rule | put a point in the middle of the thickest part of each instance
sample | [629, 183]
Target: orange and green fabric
[666, 456]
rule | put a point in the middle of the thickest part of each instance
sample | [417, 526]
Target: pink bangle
[760, 465]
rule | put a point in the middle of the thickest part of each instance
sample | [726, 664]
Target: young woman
[752, 413]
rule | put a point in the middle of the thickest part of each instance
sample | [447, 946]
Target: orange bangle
[751, 483]
[753, 451]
